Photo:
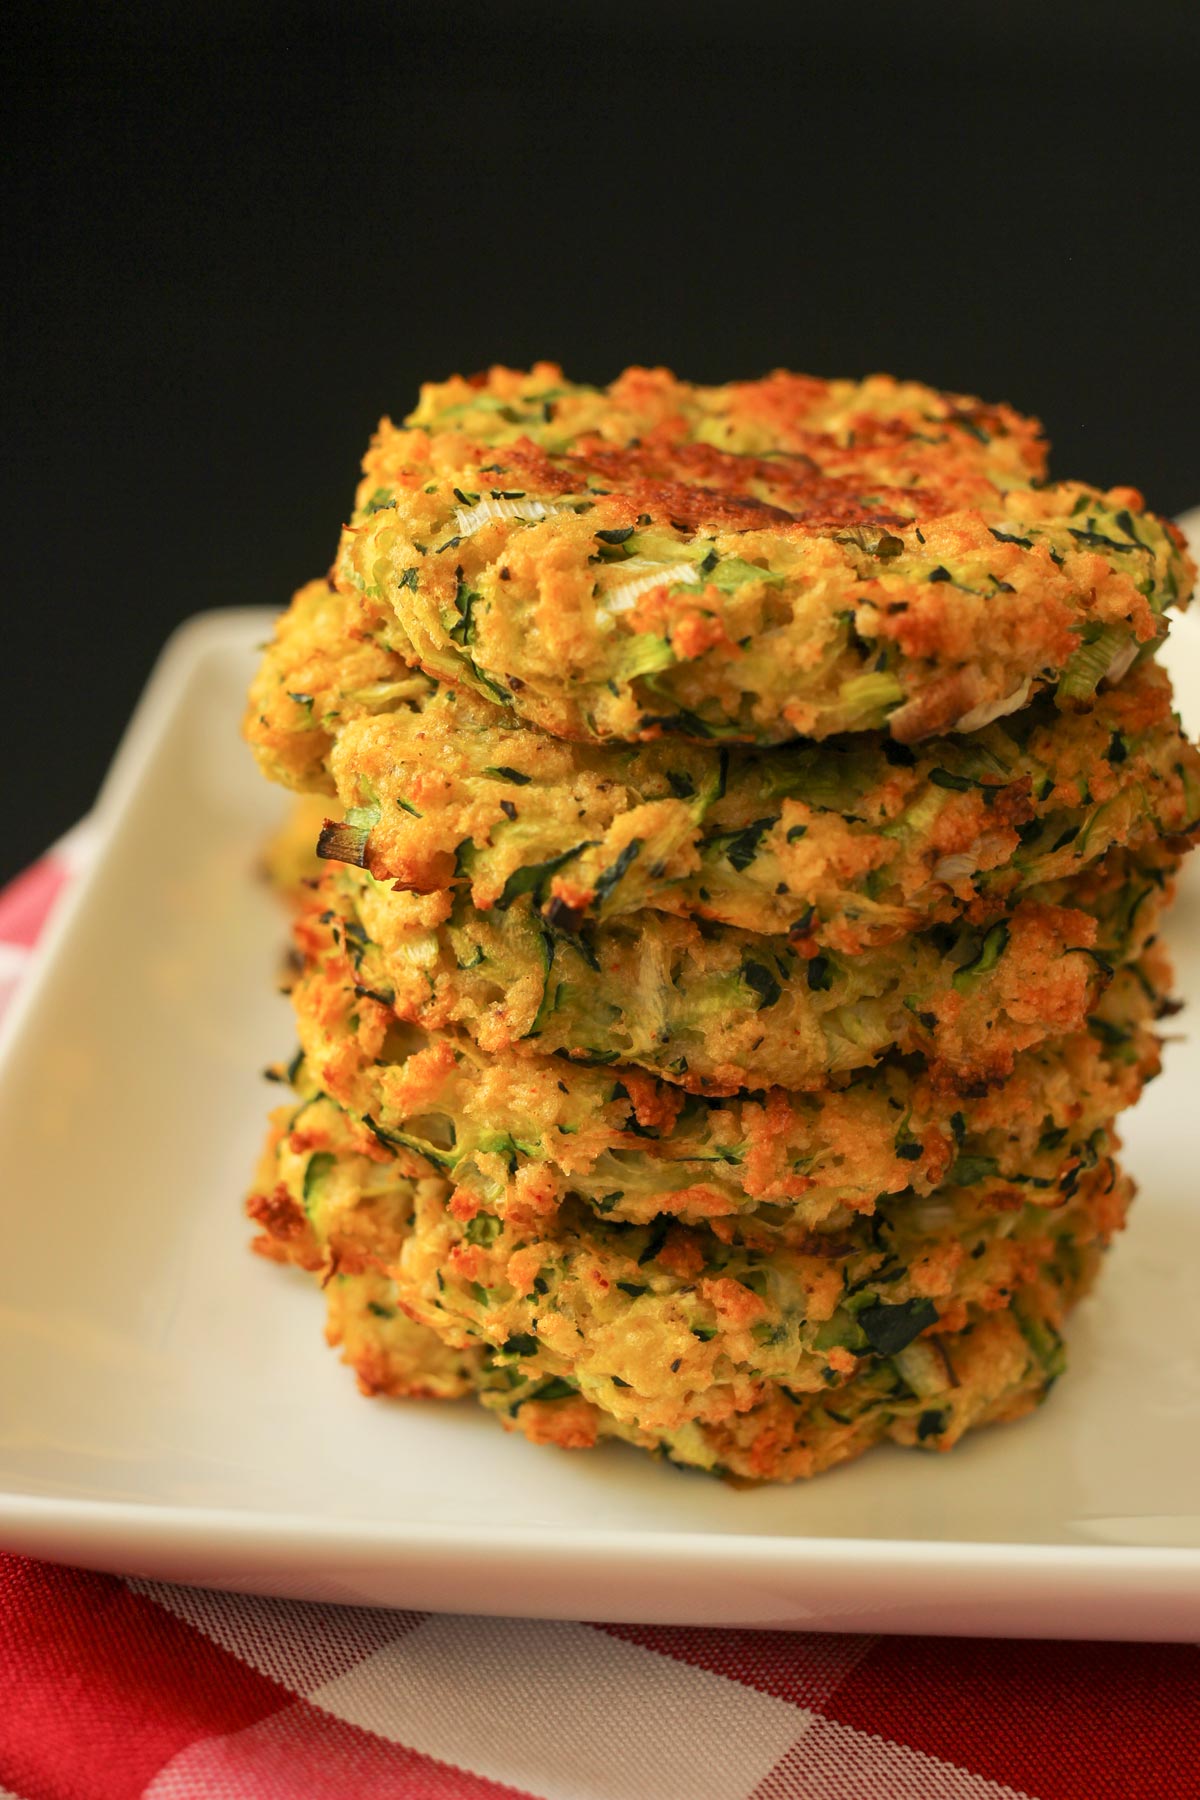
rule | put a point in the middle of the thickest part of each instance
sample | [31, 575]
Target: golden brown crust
[715, 1010]
[698, 578]
[849, 845]
[981, 1352]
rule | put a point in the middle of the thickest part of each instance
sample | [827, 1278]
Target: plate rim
[261, 1529]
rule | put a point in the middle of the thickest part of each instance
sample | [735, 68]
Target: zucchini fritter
[884, 576]
[322, 669]
[664, 1325]
[849, 844]
[665, 1335]
[997, 1368]
[408, 1358]
[716, 1010]
[521, 1134]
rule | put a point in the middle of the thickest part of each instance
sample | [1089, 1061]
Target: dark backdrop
[238, 233]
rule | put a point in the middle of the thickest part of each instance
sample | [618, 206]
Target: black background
[239, 233]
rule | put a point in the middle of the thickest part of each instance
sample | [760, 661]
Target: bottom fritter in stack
[750, 1102]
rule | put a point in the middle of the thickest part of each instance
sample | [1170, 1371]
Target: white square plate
[168, 1407]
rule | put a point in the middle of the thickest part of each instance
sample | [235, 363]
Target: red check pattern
[113, 1689]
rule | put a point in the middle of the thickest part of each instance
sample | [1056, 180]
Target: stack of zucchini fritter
[737, 936]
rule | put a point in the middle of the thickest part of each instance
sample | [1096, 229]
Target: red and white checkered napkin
[112, 1689]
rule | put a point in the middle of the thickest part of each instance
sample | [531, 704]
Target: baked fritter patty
[848, 844]
[323, 668]
[407, 1358]
[996, 1369]
[717, 1010]
[511, 1132]
[684, 1342]
[883, 577]
[665, 1325]
[842, 844]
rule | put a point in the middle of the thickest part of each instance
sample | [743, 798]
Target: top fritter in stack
[759, 805]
